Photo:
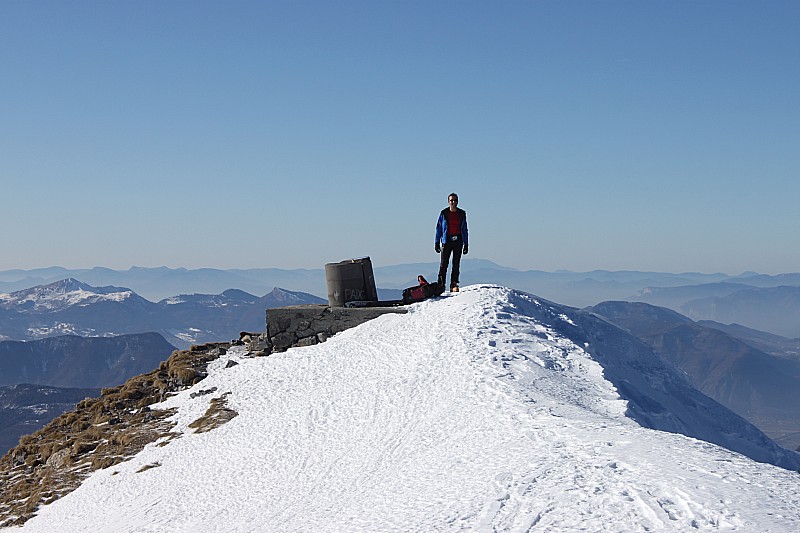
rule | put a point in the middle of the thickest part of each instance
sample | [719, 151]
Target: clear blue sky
[585, 135]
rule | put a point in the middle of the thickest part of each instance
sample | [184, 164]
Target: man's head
[452, 201]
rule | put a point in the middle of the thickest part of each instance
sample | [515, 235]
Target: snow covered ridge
[60, 295]
[491, 410]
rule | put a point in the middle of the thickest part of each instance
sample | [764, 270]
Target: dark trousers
[454, 247]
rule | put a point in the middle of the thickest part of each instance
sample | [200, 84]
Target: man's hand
[466, 249]
[438, 248]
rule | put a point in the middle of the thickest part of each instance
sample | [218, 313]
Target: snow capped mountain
[61, 295]
[70, 307]
[491, 410]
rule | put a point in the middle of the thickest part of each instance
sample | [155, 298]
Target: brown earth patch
[216, 415]
[145, 468]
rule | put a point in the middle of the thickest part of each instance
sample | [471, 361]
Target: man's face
[453, 202]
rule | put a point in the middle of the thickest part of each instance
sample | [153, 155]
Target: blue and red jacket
[442, 226]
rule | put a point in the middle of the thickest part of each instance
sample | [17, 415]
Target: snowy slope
[479, 412]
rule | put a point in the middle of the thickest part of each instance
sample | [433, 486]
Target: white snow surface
[461, 415]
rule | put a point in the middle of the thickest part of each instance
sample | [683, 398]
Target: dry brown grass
[216, 415]
[100, 433]
[145, 468]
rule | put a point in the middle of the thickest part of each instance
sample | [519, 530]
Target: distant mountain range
[761, 340]
[71, 307]
[65, 370]
[155, 284]
[773, 308]
[85, 362]
[26, 408]
[725, 363]
[768, 303]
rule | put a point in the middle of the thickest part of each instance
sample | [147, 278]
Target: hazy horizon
[465, 260]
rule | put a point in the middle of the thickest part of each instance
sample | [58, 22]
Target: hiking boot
[454, 288]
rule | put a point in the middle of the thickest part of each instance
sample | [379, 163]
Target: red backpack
[422, 291]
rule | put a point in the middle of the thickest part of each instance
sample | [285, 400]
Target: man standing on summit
[451, 238]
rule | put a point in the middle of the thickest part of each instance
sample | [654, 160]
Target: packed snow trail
[466, 414]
